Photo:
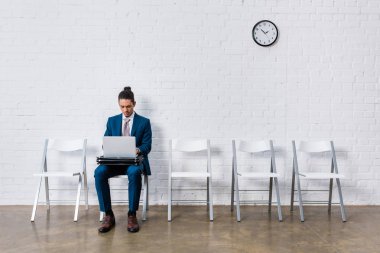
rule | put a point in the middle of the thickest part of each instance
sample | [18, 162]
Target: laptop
[119, 147]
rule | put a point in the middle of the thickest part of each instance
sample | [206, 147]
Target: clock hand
[262, 31]
[266, 34]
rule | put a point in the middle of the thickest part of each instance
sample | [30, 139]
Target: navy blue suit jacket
[140, 129]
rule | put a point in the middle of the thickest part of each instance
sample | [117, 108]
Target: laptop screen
[119, 147]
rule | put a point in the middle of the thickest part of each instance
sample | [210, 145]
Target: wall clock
[265, 33]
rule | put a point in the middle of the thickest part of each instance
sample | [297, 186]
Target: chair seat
[121, 176]
[57, 174]
[190, 174]
[317, 175]
[258, 174]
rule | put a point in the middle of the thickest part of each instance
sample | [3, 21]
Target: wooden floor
[190, 231]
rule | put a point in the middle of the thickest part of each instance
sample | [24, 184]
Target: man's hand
[137, 151]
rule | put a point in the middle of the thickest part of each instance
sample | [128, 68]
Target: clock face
[265, 33]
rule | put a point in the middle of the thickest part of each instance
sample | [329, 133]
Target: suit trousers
[104, 172]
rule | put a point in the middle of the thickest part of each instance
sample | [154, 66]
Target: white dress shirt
[130, 123]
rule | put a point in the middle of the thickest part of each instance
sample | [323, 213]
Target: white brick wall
[196, 72]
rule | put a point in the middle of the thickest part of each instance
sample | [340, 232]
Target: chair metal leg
[274, 170]
[78, 198]
[170, 200]
[300, 202]
[342, 209]
[278, 199]
[235, 184]
[208, 194]
[270, 195]
[36, 200]
[85, 186]
[145, 197]
[101, 216]
[296, 172]
[232, 189]
[292, 191]
[237, 196]
[270, 186]
[211, 208]
[330, 187]
[330, 195]
[47, 192]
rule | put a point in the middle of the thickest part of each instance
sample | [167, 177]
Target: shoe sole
[133, 230]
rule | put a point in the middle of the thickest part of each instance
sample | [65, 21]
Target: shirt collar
[130, 117]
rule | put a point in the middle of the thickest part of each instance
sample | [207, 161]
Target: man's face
[126, 106]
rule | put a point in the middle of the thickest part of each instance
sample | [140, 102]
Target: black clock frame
[253, 30]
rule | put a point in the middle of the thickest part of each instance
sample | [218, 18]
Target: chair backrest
[188, 145]
[314, 146]
[65, 146]
[253, 146]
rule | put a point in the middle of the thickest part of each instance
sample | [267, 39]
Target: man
[128, 123]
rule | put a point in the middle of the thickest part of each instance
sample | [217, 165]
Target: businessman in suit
[128, 123]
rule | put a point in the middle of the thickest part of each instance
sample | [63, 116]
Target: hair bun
[128, 88]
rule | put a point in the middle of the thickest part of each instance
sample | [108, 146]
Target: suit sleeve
[146, 144]
[108, 129]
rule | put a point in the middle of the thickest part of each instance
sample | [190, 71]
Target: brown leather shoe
[133, 225]
[107, 224]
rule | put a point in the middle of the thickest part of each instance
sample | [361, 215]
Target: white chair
[62, 146]
[271, 173]
[188, 146]
[302, 173]
[144, 199]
